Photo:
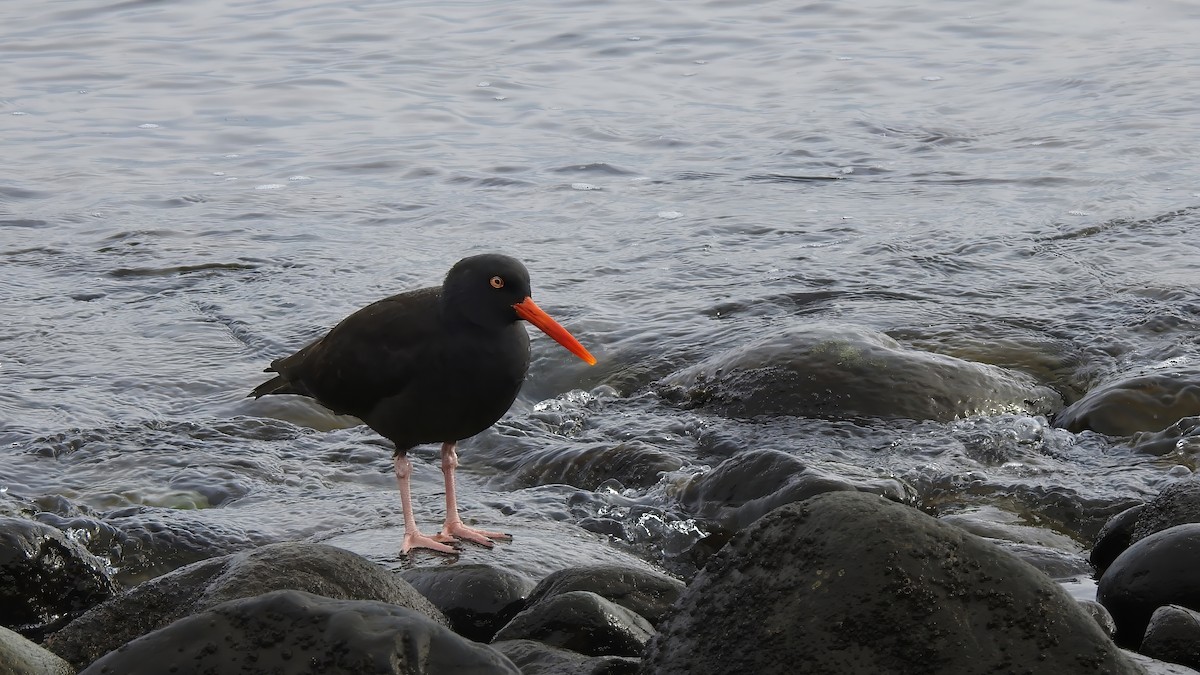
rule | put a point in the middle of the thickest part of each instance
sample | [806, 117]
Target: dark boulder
[46, 579]
[315, 568]
[1173, 635]
[847, 582]
[1114, 538]
[582, 622]
[1156, 571]
[293, 632]
[1176, 504]
[649, 594]
[477, 599]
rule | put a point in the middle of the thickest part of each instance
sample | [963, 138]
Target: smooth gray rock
[478, 599]
[843, 372]
[649, 594]
[1150, 402]
[293, 632]
[1173, 635]
[19, 656]
[315, 568]
[847, 582]
[582, 622]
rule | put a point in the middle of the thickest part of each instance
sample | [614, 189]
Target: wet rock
[582, 622]
[1114, 538]
[645, 592]
[316, 568]
[1176, 504]
[477, 599]
[1173, 635]
[46, 579]
[1156, 667]
[1056, 555]
[847, 582]
[1182, 436]
[298, 632]
[1101, 616]
[1156, 571]
[535, 658]
[746, 487]
[1144, 403]
[634, 464]
[19, 656]
[841, 372]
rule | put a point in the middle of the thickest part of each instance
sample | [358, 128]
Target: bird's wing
[371, 354]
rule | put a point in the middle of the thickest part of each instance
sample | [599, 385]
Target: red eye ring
[496, 282]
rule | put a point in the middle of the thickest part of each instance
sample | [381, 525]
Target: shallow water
[193, 189]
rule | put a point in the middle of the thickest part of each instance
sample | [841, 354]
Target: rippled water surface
[191, 189]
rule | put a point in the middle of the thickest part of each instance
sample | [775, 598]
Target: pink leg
[454, 527]
[412, 536]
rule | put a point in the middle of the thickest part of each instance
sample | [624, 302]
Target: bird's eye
[497, 282]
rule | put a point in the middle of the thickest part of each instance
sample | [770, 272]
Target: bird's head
[492, 290]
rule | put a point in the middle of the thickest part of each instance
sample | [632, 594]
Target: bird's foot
[414, 540]
[452, 532]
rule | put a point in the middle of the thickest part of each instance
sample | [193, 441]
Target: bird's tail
[279, 384]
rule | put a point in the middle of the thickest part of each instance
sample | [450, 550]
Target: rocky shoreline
[845, 581]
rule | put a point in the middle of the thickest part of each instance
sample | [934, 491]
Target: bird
[432, 365]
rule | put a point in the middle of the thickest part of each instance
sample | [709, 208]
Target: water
[192, 189]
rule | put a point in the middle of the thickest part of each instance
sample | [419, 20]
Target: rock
[289, 632]
[1156, 571]
[19, 656]
[649, 594]
[477, 599]
[1101, 615]
[316, 568]
[582, 622]
[745, 487]
[1144, 403]
[1114, 538]
[1056, 555]
[1156, 667]
[1173, 635]
[46, 579]
[1182, 436]
[1176, 504]
[841, 372]
[847, 582]
[535, 658]
[632, 463]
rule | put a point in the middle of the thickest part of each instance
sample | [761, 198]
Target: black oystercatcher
[434, 365]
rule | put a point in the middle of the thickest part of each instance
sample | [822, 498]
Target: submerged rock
[536, 658]
[316, 568]
[846, 372]
[297, 632]
[746, 487]
[847, 582]
[46, 579]
[1144, 403]
[1156, 571]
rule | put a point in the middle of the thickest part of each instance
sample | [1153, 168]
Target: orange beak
[526, 309]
